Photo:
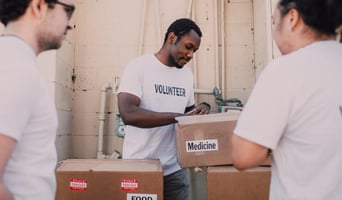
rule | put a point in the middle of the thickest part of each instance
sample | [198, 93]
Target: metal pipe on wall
[189, 11]
[158, 22]
[269, 40]
[223, 52]
[216, 43]
[191, 14]
[142, 28]
[100, 154]
[203, 91]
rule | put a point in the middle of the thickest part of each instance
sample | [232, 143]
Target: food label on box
[78, 184]
[201, 145]
[129, 184]
[131, 196]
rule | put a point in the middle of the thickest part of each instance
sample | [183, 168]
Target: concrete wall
[56, 67]
[111, 32]
[236, 45]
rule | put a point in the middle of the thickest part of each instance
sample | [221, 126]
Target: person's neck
[310, 38]
[161, 56]
[15, 29]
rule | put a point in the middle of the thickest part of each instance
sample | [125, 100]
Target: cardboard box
[228, 183]
[205, 140]
[92, 179]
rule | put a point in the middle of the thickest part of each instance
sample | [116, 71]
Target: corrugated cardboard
[205, 140]
[94, 179]
[228, 183]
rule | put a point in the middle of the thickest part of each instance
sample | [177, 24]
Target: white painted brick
[84, 147]
[85, 79]
[63, 97]
[239, 12]
[94, 56]
[63, 146]
[87, 101]
[64, 122]
[85, 124]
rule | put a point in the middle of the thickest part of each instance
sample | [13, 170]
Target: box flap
[109, 165]
[225, 169]
[215, 117]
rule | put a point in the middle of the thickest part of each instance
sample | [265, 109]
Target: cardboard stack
[227, 183]
[205, 141]
[90, 179]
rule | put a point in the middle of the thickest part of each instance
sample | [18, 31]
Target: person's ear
[38, 8]
[293, 19]
[172, 38]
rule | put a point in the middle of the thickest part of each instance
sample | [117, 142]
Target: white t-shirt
[28, 115]
[160, 89]
[295, 109]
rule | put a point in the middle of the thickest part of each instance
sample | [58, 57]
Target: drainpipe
[216, 44]
[100, 154]
[142, 28]
[158, 23]
[223, 46]
[191, 13]
[203, 91]
[188, 15]
[268, 5]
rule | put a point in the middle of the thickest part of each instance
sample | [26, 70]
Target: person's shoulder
[14, 51]
[331, 46]
[279, 66]
[140, 60]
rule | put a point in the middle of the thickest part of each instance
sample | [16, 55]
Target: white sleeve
[265, 115]
[131, 80]
[17, 99]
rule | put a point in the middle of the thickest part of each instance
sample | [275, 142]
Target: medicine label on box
[201, 145]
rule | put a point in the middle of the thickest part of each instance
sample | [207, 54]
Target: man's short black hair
[181, 27]
[11, 10]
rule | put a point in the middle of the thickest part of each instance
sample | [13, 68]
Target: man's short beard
[174, 63]
[48, 42]
[49, 45]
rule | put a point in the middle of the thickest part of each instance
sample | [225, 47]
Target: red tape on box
[129, 184]
[78, 184]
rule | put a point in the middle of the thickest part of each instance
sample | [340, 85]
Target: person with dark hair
[153, 91]
[28, 118]
[294, 111]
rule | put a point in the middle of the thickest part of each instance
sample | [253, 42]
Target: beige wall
[235, 47]
[111, 32]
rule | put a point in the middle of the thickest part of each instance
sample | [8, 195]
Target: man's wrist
[175, 115]
[206, 104]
